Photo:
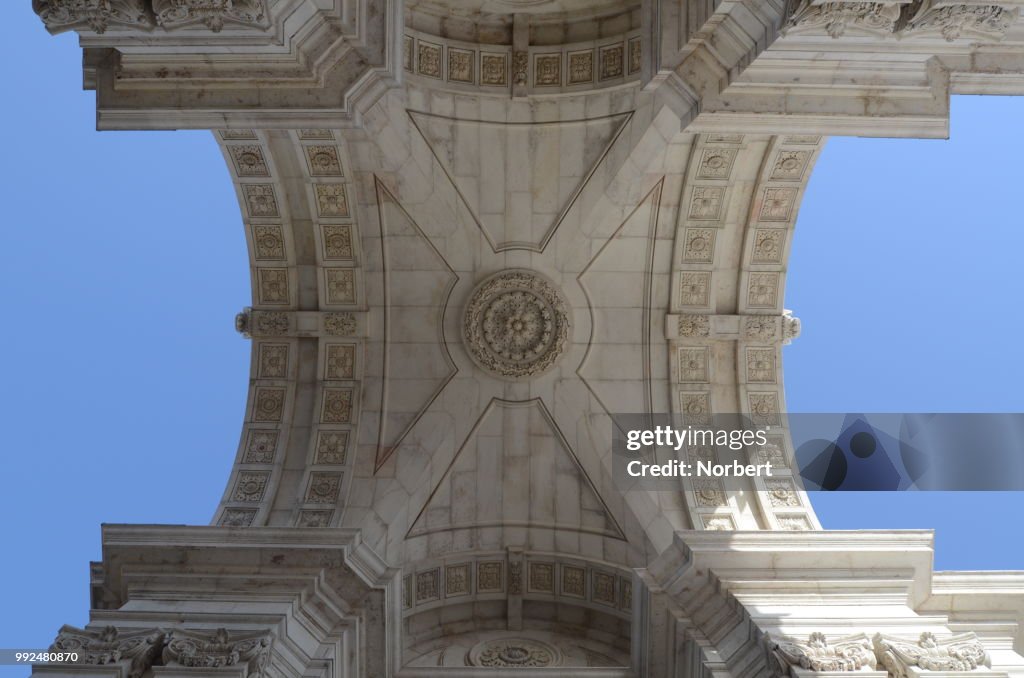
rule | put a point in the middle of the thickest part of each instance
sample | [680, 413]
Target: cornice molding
[302, 589]
[288, 63]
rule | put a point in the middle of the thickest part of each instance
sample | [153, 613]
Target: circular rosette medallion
[516, 324]
[514, 653]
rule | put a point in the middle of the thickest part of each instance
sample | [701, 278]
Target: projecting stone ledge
[170, 64]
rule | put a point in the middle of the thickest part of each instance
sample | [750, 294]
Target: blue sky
[905, 273]
[124, 388]
[125, 256]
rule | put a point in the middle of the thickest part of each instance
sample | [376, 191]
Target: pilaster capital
[904, 657]
[850, 653]
[217, 649]
[132, 651]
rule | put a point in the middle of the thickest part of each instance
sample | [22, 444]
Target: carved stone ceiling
[450, 304]
[476, 230]
[469, 248]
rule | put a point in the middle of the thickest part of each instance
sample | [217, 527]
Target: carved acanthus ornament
[250, 323]
[271, 323]
[137, 649]
[921, 18]
[213, 13]
[836, 17]
[767, 328]
[852, 653]
[520, 67]
[515, 578]
[962, 652]
[95, 15]
[955, 21]
[791, 327]
[243, 323]
[340, 324]
[218, 649]
[760, 327]
[98, 15]
[694, 326]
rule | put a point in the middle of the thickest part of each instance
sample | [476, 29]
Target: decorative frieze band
[610, 61]
[251, 324]
[527, 575]
[138, 649]
[766, 329]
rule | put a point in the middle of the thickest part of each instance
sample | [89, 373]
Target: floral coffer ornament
[516, 324]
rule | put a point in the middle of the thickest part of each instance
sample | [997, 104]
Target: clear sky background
[124, 265]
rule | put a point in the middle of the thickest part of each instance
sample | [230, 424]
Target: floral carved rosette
[514, 653]
[516, 324]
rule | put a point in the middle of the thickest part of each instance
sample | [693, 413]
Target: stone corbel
[788, 656]
[905, 658]
[93, 15]
[249, 652]
[131, 652]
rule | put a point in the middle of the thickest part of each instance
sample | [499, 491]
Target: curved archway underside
[659, 201]
[669, 247]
